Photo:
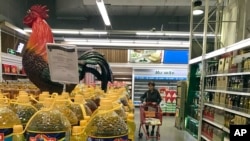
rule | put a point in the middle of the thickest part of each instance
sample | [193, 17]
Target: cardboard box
[217, 98]
[228, 62]
[221, 65]
[224, 82]
[218, 82]
[222, 98]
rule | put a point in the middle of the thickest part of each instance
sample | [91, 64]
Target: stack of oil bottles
[87, 114]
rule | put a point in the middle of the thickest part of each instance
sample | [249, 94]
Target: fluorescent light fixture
[121, 41]
[65, 31]
[93, 32]
[146, 41]
[150, 33]
[103, 11]
[125, 44]
[135, 43]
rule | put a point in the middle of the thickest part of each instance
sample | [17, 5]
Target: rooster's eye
[28, 11]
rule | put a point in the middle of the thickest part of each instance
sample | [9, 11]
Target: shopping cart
[150, 115]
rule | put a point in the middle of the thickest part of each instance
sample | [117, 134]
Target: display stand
[218, 83]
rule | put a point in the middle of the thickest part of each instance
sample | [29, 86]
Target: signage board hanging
[63, 63]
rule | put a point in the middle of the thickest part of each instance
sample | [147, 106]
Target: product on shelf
[77, 134]
[23, 108]
[62, 106]
[41, 98]
[48, 123]
[8, 119]
[106, 124]
[131, 127]
[18, 133]
[79, 107]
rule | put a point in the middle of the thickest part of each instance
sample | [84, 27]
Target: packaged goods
[18, 133]
[106, 124]
[7, 121]
[48, 124]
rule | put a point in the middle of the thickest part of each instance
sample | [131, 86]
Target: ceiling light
[93, 32]
[65, 31]
[103, 11]
[150, 33]
[197, 10]
[136, 43]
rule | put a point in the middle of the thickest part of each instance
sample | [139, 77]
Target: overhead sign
[63, 63]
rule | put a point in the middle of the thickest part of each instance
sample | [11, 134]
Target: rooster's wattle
[35, 61]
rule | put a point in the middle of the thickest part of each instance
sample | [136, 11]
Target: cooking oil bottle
[23, 108]
[77, 134]
[48, 124]
[18, 133]
[131, 127]
[7, 121]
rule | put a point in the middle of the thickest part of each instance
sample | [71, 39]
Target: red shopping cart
[150, 115]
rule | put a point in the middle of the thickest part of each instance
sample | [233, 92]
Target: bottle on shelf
[8, 119]
[48, 123]
[18, 133]
[77, 134]
[131, 127]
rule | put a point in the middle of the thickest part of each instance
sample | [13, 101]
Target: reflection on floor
[167, 131]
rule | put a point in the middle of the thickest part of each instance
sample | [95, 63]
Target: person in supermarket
[151, 96]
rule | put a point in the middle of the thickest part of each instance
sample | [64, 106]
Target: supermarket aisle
[168, 131]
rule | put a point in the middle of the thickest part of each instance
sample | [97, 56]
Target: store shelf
[214, 106]
[228, 74]
[226, 129]
[195, 60]
[213, 123]
[13, 74]
[228, 110]
[228, 92]
[205, 138]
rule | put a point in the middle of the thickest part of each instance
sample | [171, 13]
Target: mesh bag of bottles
[106, 123]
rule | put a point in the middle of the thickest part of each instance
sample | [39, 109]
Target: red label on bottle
[1, 136]
[41, 136]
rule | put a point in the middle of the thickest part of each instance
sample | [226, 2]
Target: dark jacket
[153, 96]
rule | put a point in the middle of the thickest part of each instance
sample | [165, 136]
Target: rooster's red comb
[42, 10]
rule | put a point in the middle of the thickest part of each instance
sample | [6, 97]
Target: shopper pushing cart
[150, 112]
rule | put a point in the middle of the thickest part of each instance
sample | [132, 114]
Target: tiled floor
[167, 131]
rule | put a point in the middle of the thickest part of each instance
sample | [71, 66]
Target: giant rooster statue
[35, 61]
